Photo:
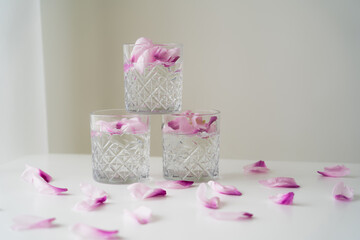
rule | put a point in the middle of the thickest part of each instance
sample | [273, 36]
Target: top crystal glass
[153, 77]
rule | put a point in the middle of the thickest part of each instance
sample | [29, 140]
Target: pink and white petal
[283, 182]
[141, 191]
[179, 184]
[27, 175]
[141, 45]
[89, 204]
[25, 222]
[202, 198]
[133, 125]
[141, 215]
[92, 192]
[227, 190]
[257, 167]
[342, 192]
[335, 171]
[89, 232]
[230, 216]
[284, 199]
[43, 187]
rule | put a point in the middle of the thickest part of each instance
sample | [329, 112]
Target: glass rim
[116, 112]
[155, 44]
[197, 112]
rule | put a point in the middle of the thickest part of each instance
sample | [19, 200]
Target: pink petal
[284, 182]
[92, 192]
[201, 196]
[175, 184]
[285, 199]
[133, 125]
[141, 215]
[31, 222]
[95, 197]
[141, 45]
[27, 175]
[258, 167]
[342, 192]
[228, 190]
[127, 67]
[335, 171]
[89, 232]
[141, 191]
[231, 216]
[42, 186]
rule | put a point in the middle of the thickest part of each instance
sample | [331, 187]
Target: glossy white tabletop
[314, 215]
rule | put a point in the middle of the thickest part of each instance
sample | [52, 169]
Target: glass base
[120, 181]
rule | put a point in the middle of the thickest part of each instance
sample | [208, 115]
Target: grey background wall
[285, 74]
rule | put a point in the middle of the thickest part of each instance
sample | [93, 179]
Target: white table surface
[314, 215]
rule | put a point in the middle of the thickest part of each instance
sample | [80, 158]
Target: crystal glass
[191, 144]
[153, 79]
[120, 145]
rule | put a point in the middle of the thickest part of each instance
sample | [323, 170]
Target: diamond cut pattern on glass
[158, 89]
[190, 157]
[120, 158]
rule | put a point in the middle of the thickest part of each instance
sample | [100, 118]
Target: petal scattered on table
[180, 184]
[89, 232]
[141, 215]
[142, 191]
[230, 216]
[227, 190]
[284, 199]
[342, 192]
[25, 222]
[44, 187]
[30, 171]
[202, 198]
[258, 167]
[335, 171]
[95, 197]
[284, 182]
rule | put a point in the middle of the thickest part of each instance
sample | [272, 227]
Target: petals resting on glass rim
[201, 196]
[27, 175]
[142, 191]
[342, 192]
[141, 215]
[95, 197]
[284, 199]
[89, 232]
[228, 190]
[141, 45]
[230, 216]
[284, 182]
[179, 184]
[126, 125]
[335, 171]
[257, 167]
[42, 186]
[25, 222]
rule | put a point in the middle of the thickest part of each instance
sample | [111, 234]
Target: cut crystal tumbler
[191, 145]
[120, 144]
[153, 78]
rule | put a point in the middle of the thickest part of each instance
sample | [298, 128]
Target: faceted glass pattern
[190, 157]
[120, 158]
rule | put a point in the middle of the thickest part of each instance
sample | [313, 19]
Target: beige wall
[285, 74]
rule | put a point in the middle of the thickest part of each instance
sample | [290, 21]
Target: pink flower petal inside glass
[283, 182]
[227, 190]
[26, 222]
[335, 171]
[257, 167]
[202, 198]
